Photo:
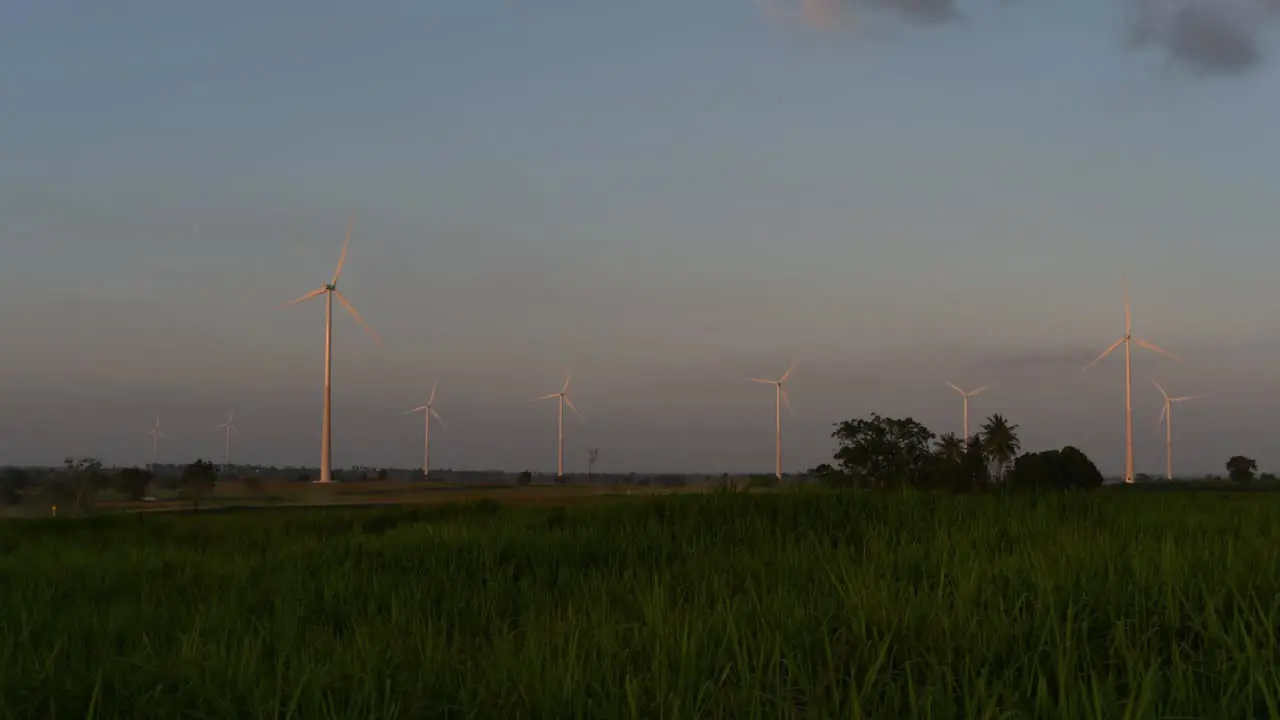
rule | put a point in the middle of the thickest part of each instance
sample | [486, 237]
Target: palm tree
[1000, 443]
[949, 448]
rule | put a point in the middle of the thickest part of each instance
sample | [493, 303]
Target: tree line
[884, 452]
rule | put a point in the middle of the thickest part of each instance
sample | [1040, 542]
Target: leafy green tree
[78, 482]
[198, 480]
[132, 482]
[882, 451]
[949, 448]
[1241, 469]
[1000, 443]
[1063, 469]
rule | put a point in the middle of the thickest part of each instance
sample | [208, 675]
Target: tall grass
[1112, 605]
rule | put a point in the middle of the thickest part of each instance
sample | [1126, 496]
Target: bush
[524, 478]
[1064, 469]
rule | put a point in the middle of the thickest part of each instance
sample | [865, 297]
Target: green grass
[1110, 605]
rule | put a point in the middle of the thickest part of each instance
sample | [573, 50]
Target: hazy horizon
[666, 198]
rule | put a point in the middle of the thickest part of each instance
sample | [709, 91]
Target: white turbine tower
[156, 436]
[329, 290]
[564, 400]
[1166, 417]
[428, 411]
[966, 396]
[230, 429]
[1127, 340]
[780, 397]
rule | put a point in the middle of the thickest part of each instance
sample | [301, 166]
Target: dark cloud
[1208, 37]
[927, 12]
[830, 14]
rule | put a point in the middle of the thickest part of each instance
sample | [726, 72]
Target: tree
[1000, 443]
[78, 482]
[1063, 469]
[592, 456]
[1241, 469]
[12, 483]
[524, 478]
[883, 451]
[198, 479]
[949, 448]
[132, 482]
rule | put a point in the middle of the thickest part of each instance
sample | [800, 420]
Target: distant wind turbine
[966, 396]
[1166, 417]
[329, 290]
[230, 428]
[428, 411]
[780, 397]
[1127, 340]
[564, 400]
[156, 436]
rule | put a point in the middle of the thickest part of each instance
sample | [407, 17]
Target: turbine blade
[234, 431]
[1161, 389]
[1185, 397]
[762, 380]
[786, 400]
[545, 397]
[787, 374]
[954, 386]
[1105, 353]
[351, 309]
[1153, 348]
[439, 419]
[162, 435]
[342, 259]
[308, 296]
[984, 388]
[420, 408]
[432, 399]
[1164, 409]
[567, 378]
[569, 402]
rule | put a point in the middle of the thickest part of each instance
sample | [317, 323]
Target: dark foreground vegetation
[1106, 604]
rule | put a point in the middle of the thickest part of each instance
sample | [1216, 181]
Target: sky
[667, 197]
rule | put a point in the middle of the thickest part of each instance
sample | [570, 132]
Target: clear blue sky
[666, 196]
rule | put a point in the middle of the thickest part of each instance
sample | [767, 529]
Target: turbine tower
[564, 400]
[1166, 417]
[428, 411]
[966, 396]
[230, 428]
[780, 397]
[156, 436]
[329, 290]
[1127, 340]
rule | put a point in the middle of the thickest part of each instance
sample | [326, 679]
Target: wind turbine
[1127, 340]
[966, 396]
[230, 428]
[1166, 417]
[780, 397]
[428, 411]
[156, 436]
[329, 290]
[564, 400]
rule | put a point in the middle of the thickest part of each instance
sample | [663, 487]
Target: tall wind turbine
[966, 396]
[1127, 340]
[156, 436]
[1166, 417]
[428, 411]
[329, 290]
[564, 400]
[780, 397]
[230, 428]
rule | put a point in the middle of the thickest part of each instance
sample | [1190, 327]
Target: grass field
[802, 604]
